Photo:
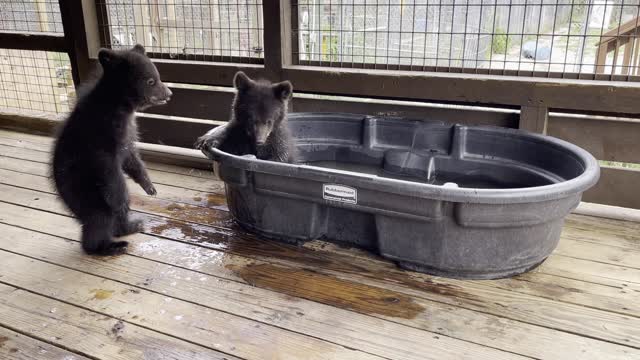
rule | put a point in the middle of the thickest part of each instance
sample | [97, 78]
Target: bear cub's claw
[150, 190]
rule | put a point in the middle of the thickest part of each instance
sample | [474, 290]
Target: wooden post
[102, 23]
[277, 37]
[170, 27]
[601, 58]
[216, 32]
[626, 59]
[154, 21]
[43, 18]
[534, 118]
[80, 24]
[139, 28]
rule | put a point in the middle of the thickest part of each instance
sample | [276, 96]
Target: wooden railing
[596, 115]
[622, 41]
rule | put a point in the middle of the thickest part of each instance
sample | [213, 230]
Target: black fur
[95, 147]
[258, 124]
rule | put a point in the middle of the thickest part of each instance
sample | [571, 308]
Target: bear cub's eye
[151, 82]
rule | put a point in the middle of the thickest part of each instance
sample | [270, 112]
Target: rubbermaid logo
[340, 193]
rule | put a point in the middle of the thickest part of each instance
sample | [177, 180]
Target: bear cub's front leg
[133, 166]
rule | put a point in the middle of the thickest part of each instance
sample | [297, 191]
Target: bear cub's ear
[108, 58]
[139, 48]
[241, 81]
[283, 90]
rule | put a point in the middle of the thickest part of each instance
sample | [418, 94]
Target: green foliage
[499, 42]
[330, 48]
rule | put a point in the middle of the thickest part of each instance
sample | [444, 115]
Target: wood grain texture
[466, 294]
[33, 41]
[351, 329]
[87, 332]
[604, 139]
[580, 301]
[219, 218]
[15, 346]
[200, 324]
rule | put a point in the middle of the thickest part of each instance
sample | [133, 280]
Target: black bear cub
[258, 124]
[95, 147]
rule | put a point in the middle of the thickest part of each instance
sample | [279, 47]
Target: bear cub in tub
[258, 124]
[95, 147]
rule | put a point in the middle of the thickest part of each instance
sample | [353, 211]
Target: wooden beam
[617, 186]
[620, 97]
[199, 58]
[623, 29]
[601, 57]
[570, 94]
[215, 104]
[43, 18]
[80, 23]
[277, 37]
[453, 114]
[206, 73]
[571, 75]
[168, 131]
[605, 138]
[33, 41]
[608, 212]
[200, 104]
[102, 22]
[534, 118]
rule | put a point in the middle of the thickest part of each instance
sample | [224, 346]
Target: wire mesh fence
[30, 16]
[549, 38]
[35, 81]
[207, 30]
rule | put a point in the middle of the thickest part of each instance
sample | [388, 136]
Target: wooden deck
[193, 286]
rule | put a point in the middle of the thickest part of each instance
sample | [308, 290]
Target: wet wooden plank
[214, 217]
[359, 331]
[619, 259]
[15, 346]
[88, 332]
[469, 295]
[199, 324]
[514, 336]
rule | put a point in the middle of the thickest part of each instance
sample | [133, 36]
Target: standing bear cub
[258, 124]
[95, 147]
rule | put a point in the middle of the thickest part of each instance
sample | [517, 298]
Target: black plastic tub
[450, 200]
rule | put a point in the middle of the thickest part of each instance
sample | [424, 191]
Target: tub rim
[575, 186]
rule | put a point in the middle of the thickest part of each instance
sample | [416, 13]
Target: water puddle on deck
[329, 290]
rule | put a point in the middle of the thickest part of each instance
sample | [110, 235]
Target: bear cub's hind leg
[124, 225]
[97, 235]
